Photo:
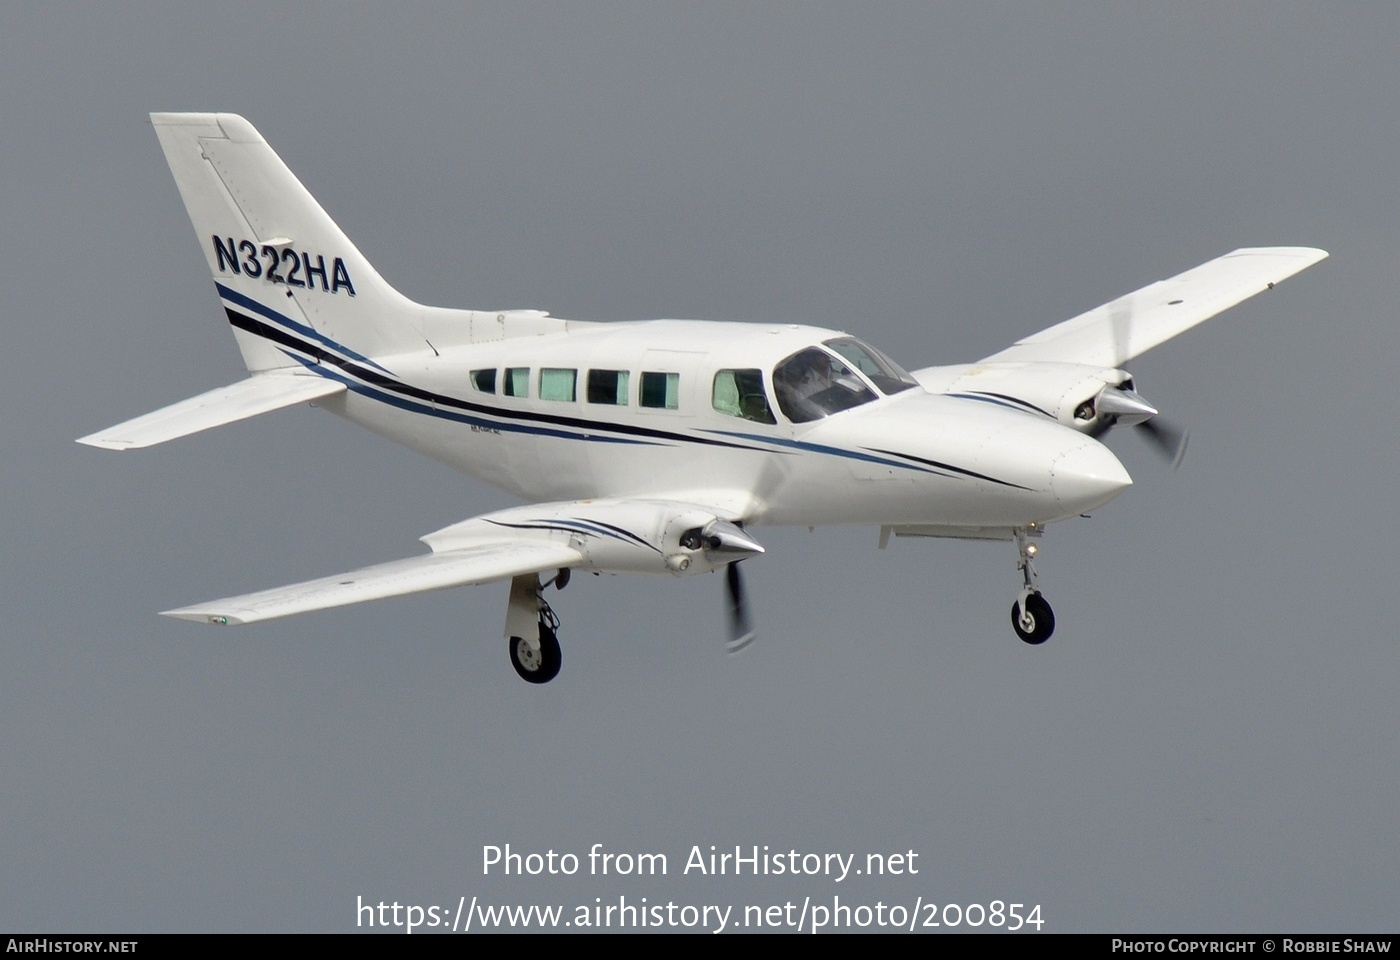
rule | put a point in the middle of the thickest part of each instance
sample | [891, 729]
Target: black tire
[534, 667]
[1039, 622]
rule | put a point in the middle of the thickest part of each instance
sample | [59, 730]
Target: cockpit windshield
[888, 376]
[812, 384]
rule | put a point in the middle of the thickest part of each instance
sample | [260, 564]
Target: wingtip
[1311, 254]
[201, 615]
[102, 443]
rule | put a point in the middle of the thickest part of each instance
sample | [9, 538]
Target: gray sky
[1209, 743]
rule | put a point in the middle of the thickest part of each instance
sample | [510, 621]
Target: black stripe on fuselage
[350, 368]
[1006, 398]
[370, 377]
[948, 466]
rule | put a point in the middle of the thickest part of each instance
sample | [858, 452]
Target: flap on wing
[1111, 335]
[481, 563]
[248, 398]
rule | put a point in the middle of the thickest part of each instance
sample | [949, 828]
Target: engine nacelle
[616, 536]
[1086, 398]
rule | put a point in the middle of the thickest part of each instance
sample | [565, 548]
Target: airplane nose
[1087, 475]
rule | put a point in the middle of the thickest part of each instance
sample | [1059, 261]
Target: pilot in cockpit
[812, 384]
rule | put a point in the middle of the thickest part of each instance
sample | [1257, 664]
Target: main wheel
[536, 666]
[1037, 623]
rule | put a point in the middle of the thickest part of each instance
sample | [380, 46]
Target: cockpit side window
[812, 384]
[739, 393]
[888, 376]
[484, 380]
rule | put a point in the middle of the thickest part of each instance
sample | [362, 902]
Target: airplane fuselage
[630, 410]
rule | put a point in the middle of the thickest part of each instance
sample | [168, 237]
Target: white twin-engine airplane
[651, 447]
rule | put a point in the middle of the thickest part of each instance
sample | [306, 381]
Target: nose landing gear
[1031, 616]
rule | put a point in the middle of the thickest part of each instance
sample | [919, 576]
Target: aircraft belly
[562, 469]
[641, 469]
[481, 454]
[944, 461]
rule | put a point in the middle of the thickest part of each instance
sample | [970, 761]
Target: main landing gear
[531, 629]
[1031, 616]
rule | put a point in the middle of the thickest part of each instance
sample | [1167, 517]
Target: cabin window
[812, 384]
[557, 384]
[739, 393]
[608, 386]
[517, 382]
[661, 390]
[484, 380]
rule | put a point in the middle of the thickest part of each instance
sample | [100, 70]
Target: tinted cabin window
[661, 390]
[556, 384]
[484, 380]
[739, 393]
[517, 382]
[607, 386]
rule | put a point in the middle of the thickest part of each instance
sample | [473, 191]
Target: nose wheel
[1031, 616]
[1032, 619]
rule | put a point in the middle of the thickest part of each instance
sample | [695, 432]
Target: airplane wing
[480, 563]
[247, 398]
[659, 537]
[1113, 334]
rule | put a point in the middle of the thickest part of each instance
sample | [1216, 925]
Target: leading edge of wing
[476, 564]
[1118, 331]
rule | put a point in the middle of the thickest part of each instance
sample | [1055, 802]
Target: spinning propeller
[1125, 405]
[1129, 409]
[741, 631]
[1167, 439]
[723, 540]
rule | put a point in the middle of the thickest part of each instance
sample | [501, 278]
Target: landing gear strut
[1031, 616]
[531, 626]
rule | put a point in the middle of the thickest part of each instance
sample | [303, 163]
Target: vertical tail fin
[288, 276]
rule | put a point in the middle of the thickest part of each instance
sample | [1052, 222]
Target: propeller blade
[1169, 440]
[740, 632]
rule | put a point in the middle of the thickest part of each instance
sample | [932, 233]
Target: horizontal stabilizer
[259, 394]
[480, 563]
[1113, 334]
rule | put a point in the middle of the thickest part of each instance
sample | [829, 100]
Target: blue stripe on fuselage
[416, 406]
[248, 303]
[385, 388]
[823, 448]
